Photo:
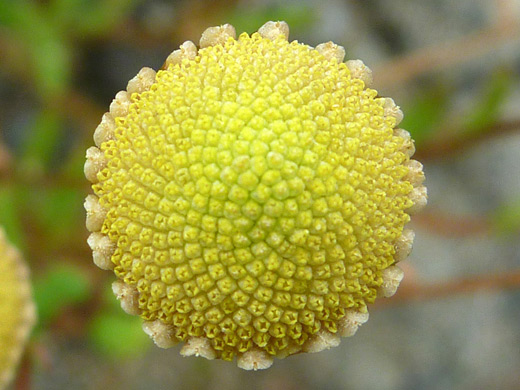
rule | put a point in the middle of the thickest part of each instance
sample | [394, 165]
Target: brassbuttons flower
[251, 197]
[17, 311]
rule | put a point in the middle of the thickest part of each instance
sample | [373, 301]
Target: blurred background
[453, 66]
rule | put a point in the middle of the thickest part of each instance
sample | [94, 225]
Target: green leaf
[19, 14]
[489, 103]
[38, 35]
[10, 215]
[72, 168]
[42, 143]
[110, 302]
[52, 65]
[506, 220]
[58, 211]
[90, 17]
[63, 285]
[249, 20]
[118, 336]
[424, 113]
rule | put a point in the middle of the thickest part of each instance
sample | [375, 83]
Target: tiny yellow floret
[252, 197]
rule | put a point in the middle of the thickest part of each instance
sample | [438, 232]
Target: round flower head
[17, 312]
[251, 196]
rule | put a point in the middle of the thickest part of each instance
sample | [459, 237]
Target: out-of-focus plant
[115, 334]
[61, 286]
[17, 312]
[41, 36]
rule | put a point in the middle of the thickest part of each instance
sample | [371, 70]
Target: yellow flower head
[251, 197]
[17, 312]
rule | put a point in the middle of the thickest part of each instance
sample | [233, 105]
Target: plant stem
[445, 147]
[23, 378]
[419, 292]
[429, 59]
[441, 223]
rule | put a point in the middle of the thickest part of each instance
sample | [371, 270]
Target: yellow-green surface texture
[16, 309]
[254, 195]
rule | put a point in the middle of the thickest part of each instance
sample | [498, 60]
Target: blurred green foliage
[57, 211]
[297, 15]
[488, 105]
[116, 334]
[506, 219]
[425, 112]
[61, 286]
[89, 18]
[429, 111]
[9, 215]
[46, 32]
[37, 35]
[46, 132]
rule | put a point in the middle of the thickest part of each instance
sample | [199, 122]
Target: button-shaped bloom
[17, 311]
[251, 197]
